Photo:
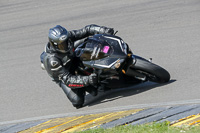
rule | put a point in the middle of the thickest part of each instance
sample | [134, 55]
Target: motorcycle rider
[60, 63]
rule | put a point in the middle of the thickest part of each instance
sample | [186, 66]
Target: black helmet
[58, 38]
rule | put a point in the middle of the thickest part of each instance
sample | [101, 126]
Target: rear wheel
[152, 71]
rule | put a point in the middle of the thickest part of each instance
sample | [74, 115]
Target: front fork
[129, 68]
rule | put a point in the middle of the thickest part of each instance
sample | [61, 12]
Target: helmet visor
[64, 47]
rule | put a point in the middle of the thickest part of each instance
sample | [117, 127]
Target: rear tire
[153, 72]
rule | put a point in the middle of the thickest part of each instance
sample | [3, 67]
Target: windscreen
[95, 50]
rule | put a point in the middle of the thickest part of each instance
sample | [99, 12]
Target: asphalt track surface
[167, 31]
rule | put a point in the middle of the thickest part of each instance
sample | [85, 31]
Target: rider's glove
[110, 31]
[93, 79]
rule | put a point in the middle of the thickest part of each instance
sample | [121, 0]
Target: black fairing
[102, 52]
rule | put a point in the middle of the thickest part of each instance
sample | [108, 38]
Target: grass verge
[147, 128]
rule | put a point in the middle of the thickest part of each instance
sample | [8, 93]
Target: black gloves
[110, 31]
[93, 79]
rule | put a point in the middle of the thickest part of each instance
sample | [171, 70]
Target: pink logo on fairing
[105, 49]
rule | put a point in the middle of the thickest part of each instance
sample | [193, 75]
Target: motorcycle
[116, 66]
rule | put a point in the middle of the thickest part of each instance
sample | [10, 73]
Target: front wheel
[152, 71]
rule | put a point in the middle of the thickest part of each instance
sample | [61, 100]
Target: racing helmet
[58, 39]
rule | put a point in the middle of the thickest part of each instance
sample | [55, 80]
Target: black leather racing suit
[61, 67]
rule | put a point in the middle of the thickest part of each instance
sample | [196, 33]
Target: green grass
[147, 128]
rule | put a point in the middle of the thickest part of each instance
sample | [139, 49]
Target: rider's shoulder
[53, 62]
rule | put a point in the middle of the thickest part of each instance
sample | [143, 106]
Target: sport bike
[115, 64]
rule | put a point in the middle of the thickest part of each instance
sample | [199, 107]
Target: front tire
[153, 72]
